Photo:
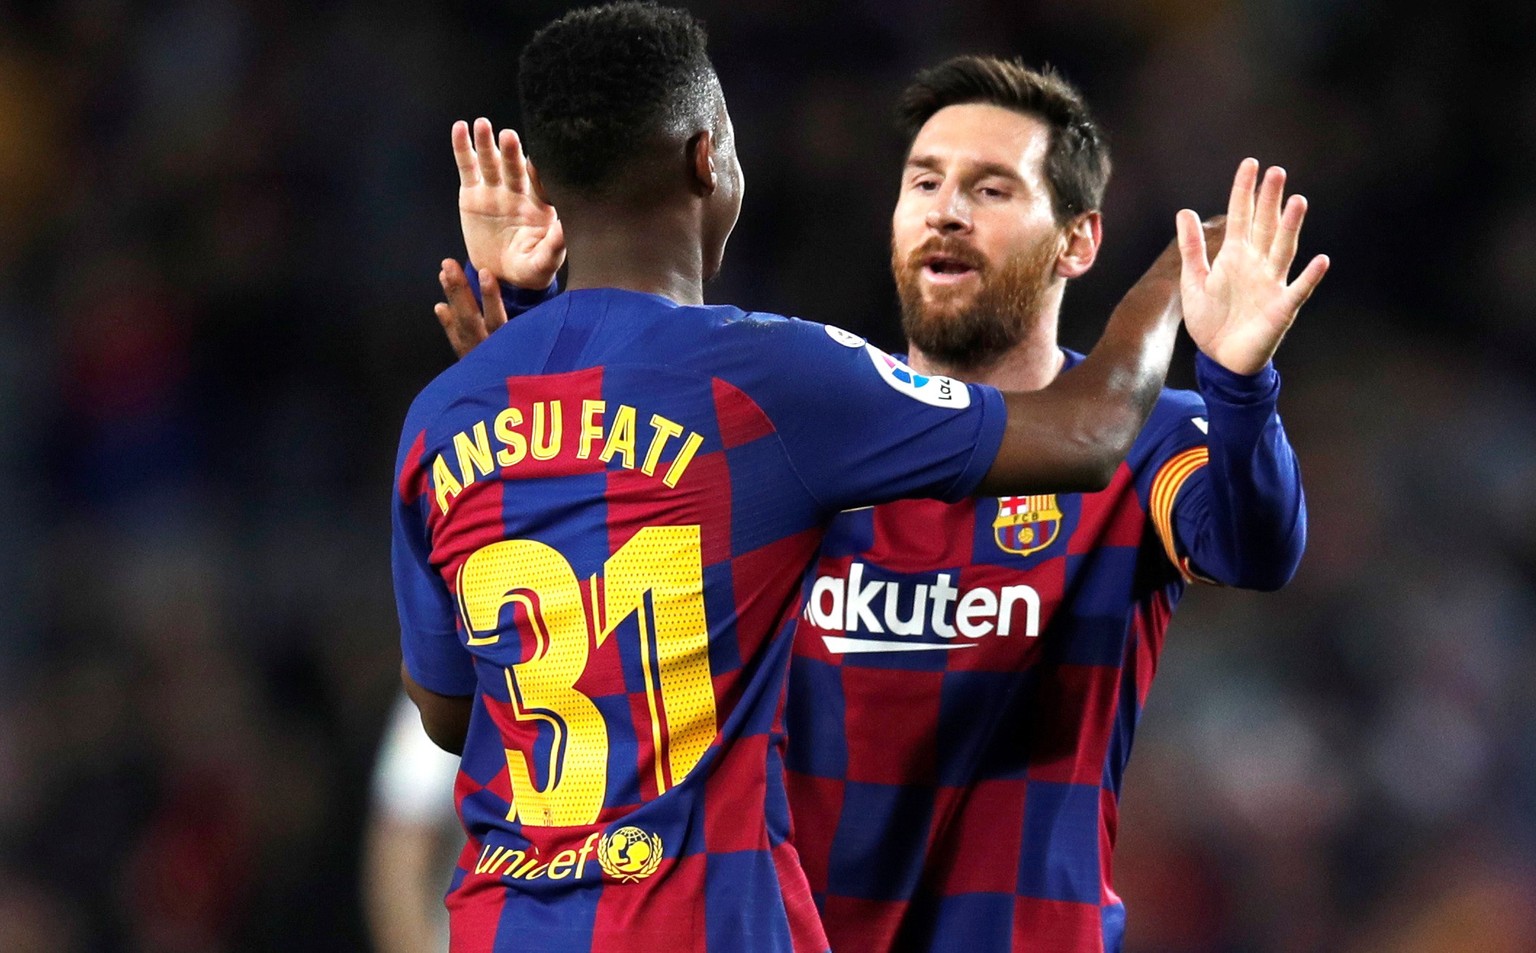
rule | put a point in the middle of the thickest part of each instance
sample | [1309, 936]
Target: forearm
[1243, 520]
[1073, 435]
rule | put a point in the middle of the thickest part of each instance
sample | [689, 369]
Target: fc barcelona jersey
[965, 685]
[602, 523]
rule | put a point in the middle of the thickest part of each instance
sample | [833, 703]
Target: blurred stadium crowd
[220, 222]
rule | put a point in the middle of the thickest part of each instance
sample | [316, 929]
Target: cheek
[1007, 236]
[907, 229]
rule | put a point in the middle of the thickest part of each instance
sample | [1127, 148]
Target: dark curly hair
[1077, 163]
[601, 84]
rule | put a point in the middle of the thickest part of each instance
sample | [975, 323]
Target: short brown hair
[1077, 164]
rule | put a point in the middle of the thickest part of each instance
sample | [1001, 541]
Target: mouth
[947, 269]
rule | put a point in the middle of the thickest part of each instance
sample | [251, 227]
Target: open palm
[508, 230]
[1238, 307]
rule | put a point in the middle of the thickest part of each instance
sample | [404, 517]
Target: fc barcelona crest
[1026, 524]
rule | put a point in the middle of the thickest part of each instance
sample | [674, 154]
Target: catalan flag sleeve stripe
[1165, 491]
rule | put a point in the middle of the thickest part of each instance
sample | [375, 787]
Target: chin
[946, 304]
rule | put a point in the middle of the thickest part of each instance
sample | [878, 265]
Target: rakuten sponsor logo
[883, 607]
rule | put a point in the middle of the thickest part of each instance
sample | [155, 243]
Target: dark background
[220, 222]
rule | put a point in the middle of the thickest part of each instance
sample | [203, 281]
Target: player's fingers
[512, 166]
[464, 155]
[457, 292]
[1195, 266]
[1288, 235]
[553, 246]
[460, 316]
[485, 152]
[461, 337]
[1240, 202]
[1266, 216]
[490, 294]
[1215, 231]
[1298, 291]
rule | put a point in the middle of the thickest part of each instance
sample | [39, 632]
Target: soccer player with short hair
[611, 503]
[968, 676]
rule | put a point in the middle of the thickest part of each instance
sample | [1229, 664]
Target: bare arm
[445, 718]
[1074, 434]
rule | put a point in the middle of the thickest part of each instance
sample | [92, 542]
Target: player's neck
[612, 249]
[1029, 365]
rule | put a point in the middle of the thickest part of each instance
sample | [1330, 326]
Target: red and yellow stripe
[1165, 490]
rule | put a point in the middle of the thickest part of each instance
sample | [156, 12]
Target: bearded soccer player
[967, 677]
[622, 780]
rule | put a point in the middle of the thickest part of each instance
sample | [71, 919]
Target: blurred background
[220, 223]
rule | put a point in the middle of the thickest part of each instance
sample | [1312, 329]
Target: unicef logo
[629, 854]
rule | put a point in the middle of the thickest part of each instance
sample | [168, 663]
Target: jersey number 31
[658, 577]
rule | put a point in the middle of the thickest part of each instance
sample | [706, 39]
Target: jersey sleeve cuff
[989, 439]
[1219, 384]
[454, 681]
[516, 299]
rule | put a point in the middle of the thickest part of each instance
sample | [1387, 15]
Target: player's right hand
[509, 231]
[462, 320]
[1237, 303]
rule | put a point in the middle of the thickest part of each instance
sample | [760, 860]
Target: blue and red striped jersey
[603, 519]
[967, 679]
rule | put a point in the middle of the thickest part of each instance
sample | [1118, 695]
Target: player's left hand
[462, 319]
[1237, 305]
[508, 229]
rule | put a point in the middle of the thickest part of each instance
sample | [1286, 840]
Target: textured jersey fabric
[603, 518]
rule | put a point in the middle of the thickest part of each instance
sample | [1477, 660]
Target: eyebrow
[932, 163]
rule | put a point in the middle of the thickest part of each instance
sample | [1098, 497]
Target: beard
[966, 329]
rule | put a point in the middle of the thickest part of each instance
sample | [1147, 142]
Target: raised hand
[462, 320]
[1238, 306]
[509, 231]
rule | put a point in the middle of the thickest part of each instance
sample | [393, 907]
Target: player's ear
[1082, 248]
[701, 162]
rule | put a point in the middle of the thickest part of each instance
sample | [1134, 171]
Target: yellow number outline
[658, 576]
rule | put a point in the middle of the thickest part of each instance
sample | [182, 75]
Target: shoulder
[763, 348]
[1177, 423]
[1175, 406]
[771, 329]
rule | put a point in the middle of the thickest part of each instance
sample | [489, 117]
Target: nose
[950, 213]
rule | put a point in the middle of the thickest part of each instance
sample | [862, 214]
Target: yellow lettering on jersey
[664, 430]
[477, 455]
[657, 577]
[526, 865]
[515, 444]
[444, 486]
[488, 858]
[591, 426]
[561, 865]
[532, 870]
[621, 439]
[684, 457]
[546, 429]
[473, 452]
